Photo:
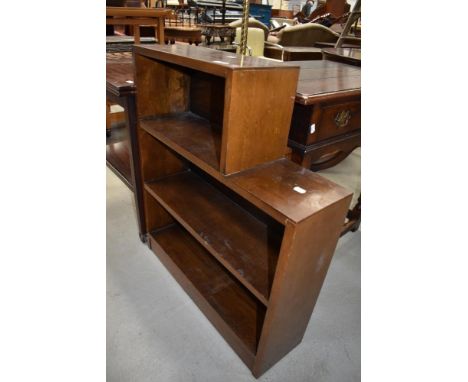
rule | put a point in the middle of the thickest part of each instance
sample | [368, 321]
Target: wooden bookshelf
[246, 246]
[227, 303]
[248, 234]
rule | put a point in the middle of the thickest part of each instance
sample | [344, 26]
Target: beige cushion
[306, 35]
[273, 39]
[255, 41]
[347, 173]
[252, 23]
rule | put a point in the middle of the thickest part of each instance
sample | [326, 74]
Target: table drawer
[332, 120]
[316, 122]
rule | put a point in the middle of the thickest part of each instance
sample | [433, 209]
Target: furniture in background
[216, 11]
[251, 23]
[326, 121]
[336, 7]
[292, 53]
[192, 35]
[211, 31]
[248, 234]
[120, 90]
[138, 17]
[282, 13]
[255, 41]
[350, 56]
[261, 12]
[304, 35]
[353, 18]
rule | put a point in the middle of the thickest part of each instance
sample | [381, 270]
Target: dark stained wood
[326, 121]
[139, 17]
[273, 183]
[293, 53]
[346, 55]
[118, 148]
[231, 91]
[225, 302]
[211, 140]
[119, 78]
[323, 80]
[188, 134]
[179, 33]
[326, 153]
[324, 116]
[172, 93]
[245, 246]
[118, 154]
[304, 260]
[211, 61]
[122, 154]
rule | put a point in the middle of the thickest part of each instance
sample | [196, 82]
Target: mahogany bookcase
[248, 234]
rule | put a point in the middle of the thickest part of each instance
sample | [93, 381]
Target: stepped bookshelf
[248, 234]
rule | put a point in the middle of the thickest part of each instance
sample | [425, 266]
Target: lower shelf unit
[230, 307]
[256, 279]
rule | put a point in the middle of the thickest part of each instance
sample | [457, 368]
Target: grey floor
[156, 333]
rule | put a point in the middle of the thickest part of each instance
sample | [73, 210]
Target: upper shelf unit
[221, 110]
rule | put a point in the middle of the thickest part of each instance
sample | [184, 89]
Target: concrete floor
[156, 333]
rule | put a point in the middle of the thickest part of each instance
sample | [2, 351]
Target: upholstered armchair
[303, 35]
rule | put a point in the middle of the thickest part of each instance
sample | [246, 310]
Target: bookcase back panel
[207, 97]
[156, 217]
[156, 159]
[162, 88]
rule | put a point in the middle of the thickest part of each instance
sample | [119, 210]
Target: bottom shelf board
[231, 308]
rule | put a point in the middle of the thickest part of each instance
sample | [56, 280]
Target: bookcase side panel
[257, 117]
[305, 256]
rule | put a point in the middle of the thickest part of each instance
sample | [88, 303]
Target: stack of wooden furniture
[247, 233]
[138, 17]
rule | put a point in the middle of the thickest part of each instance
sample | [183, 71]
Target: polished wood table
[139, 17]
[180, 33]
[120, 90]
[326, 122]
[350, 56]
[293, 53]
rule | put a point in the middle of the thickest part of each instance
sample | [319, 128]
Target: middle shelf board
[247, 247]
[195, 137]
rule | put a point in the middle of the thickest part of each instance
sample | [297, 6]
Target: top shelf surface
[294, 192]
[207, 60]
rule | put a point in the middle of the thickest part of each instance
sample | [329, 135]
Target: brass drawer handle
[342, 118]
